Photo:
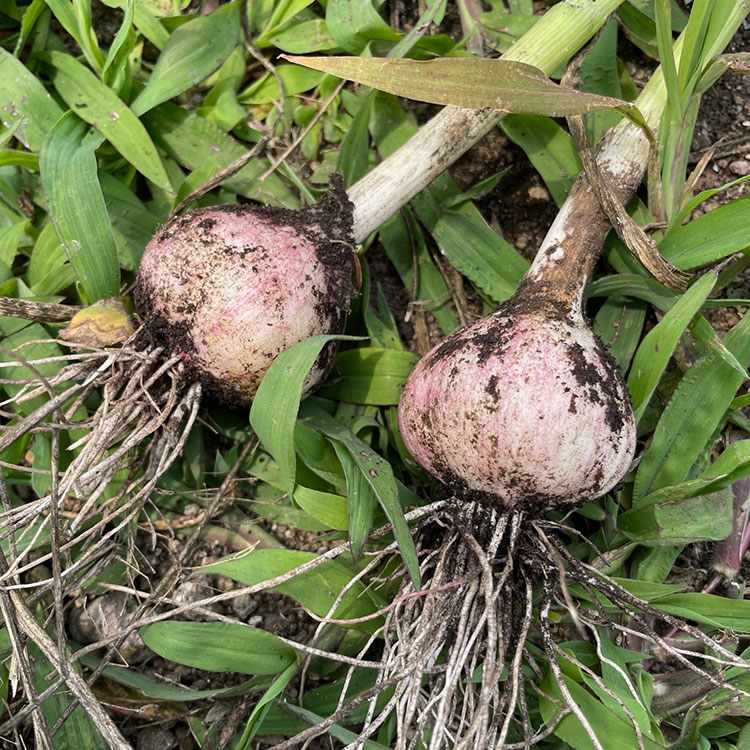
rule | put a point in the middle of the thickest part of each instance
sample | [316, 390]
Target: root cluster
[143, 411]
[134, 410]
[462, 656]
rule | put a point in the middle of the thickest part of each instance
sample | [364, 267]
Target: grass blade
[275, 406]
[98, 105]
[193, 52]
[693, 415]
[656, 348]
[377, 472]
[77, 209]
[475, 83]
[317, 589]
[24, 103]
[219, 647]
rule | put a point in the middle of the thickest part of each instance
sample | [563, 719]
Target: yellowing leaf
[469, 82]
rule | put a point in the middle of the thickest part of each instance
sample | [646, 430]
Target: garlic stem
[568, 253]
[547, 45]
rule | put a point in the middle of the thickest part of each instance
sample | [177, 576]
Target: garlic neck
[567, 256]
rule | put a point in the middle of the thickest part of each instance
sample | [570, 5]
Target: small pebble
[538, 193]
[741, 167]
[155, 738]
[104, 616]
[192, 510]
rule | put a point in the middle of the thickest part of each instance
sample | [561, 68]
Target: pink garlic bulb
[525, 408]
[228, 288]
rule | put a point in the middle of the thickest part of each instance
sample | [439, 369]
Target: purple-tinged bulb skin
[522, 410]
[228, 288]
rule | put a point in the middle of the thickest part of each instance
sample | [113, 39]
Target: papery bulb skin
[228, 288]
[524, 410]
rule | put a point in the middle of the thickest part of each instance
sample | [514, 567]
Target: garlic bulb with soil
[525, 409]
[228, 288]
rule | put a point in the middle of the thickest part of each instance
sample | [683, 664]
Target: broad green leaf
[25, 103]
[378, 473]
[689, 206]
[192, 141]
[390, 126]
[42, 457]
[220, 105]
[283, 12]
[611, 725]
[619, 324]
[599, 75]
[692, 415]
[733, 464]
[550, 149]
[10, 239]
[31, 16]
[145, 19]
[472, 82]
[304, 37]
[658, 345]
[318, 455]
[276, 510]
[194, 51]
[274, 410]
[121, 36]
[34, 536]
[294, 79]
[219, 647]
[370, 376]
[382, 326]
[482, 255]
[679, 19]
[49, 270]
[361, 501]
[354, 156]
[328, 508]
[98, 105]
[719, 611]
[317, 589]
[650, 290]
[711, 237]
[12, 158]
[75, 18]
[656, 563]
[708, 516]
[649, 591]
[354, 23]
[154, 688]
[76, 206]
[78, 730]
[264, 704]
[133, 225]
[639, 28]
